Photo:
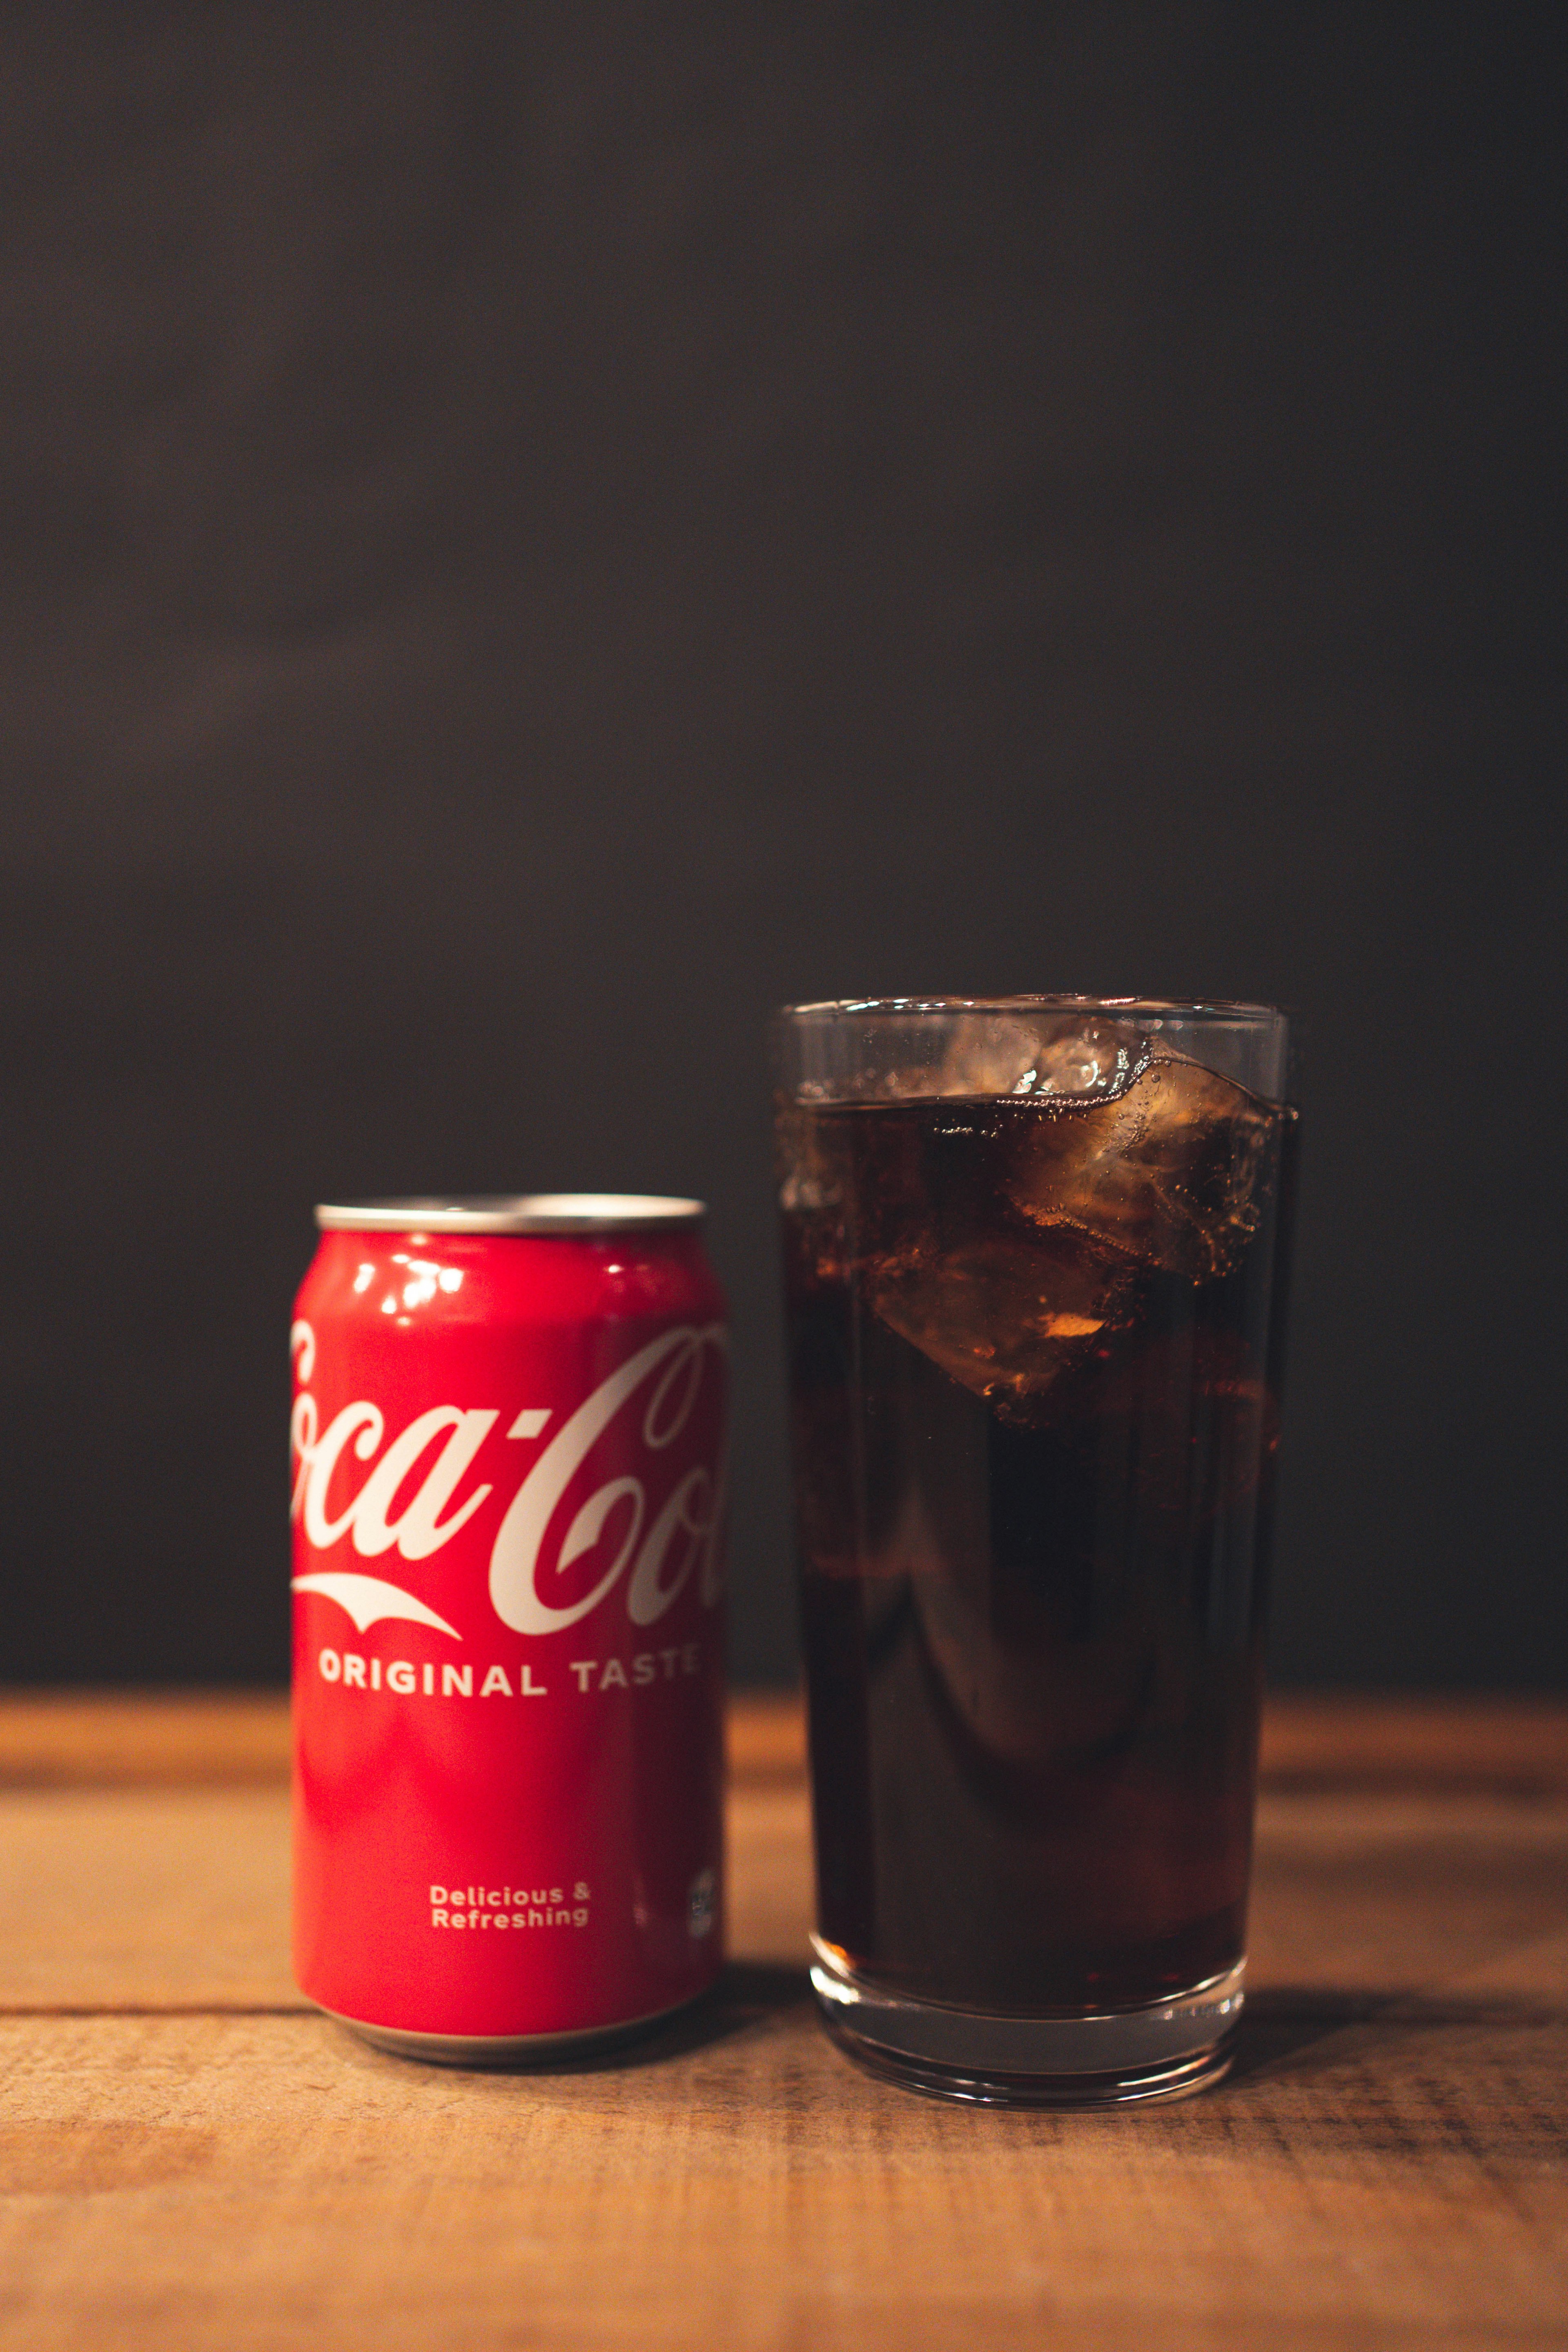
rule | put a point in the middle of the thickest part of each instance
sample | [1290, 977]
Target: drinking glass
[1035, 1259]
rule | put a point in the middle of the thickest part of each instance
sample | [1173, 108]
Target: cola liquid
[1034, 1421]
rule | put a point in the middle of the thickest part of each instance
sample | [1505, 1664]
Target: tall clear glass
[1035, 1259]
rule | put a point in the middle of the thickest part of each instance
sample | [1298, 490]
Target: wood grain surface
[189, 2156]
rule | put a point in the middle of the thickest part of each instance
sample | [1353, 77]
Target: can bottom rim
[504, 2049]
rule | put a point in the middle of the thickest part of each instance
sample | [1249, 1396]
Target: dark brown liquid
[1034, 1418]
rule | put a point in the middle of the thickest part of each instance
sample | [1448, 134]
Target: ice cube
[1046, 1055]
[987, 1056]
[1168, 1170]
[1000, 1313]
[1085, 1062]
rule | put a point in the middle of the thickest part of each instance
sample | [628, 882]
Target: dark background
[533, 533]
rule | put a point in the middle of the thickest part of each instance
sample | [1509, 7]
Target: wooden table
[189, 2156]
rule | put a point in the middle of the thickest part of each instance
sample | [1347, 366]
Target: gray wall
[533, 533]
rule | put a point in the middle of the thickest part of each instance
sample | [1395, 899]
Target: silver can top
[513, 1212]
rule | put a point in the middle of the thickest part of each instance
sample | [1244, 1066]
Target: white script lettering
[429, 1459]
[515, 1560]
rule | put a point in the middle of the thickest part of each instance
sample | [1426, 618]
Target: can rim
[509, 1213]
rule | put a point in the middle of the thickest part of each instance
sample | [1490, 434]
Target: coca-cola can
[508, 1441]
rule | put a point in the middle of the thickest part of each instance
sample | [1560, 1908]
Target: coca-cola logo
[653, 1396]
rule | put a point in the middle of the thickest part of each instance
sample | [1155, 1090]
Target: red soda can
[508, 1440]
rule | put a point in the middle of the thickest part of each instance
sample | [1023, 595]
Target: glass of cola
[1035, 1259]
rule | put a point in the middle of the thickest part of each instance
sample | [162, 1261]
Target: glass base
[1164, 2050]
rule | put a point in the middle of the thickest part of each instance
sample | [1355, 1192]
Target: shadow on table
[750, 1993]
[1279, 2025]
[1284, 2026]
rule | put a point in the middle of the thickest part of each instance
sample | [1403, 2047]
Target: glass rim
[1215, 1010]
